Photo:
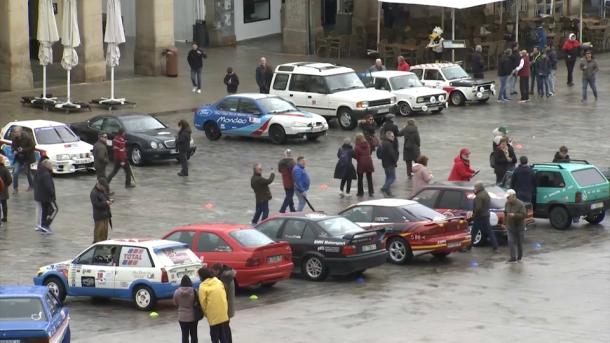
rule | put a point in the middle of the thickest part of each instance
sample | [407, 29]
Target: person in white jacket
[421, 175]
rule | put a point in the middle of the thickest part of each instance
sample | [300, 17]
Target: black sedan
[323, 244]
[148, 139]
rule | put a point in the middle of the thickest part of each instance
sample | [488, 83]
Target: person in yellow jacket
[213, 300]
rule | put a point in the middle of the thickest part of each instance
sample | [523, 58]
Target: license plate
[454, 244]
[597, 205]
[369, 247]
[373, 111]
[274, 259]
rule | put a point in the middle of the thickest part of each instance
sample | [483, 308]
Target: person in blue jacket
[540, 36]
[301, 182]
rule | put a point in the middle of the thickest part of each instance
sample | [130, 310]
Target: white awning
[456, 4]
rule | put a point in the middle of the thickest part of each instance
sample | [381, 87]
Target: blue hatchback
[31, 314]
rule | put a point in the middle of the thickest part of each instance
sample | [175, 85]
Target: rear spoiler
[354, 237]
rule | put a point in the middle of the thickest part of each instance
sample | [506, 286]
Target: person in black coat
[523, 181]
[23, 150]
[7, 179]
[195, 60]
[44, 195]
[344, 170]
[477, 63]
[504, 160]
[389, 125]
[101, 202]
[369, 128]
[389, 160]
[411, 146]
[231, 81]
[562, 156]
[505, 69]
[183, 144]
[264, 75]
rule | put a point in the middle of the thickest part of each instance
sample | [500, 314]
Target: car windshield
[588, 177]
[176, 255]
[250, 238]
[421, 212]
[404, 81]
[276, 105]
[454, 73]
[21, 309]
[55, 135]
[337, 227]
[141, 123]
[343, 82]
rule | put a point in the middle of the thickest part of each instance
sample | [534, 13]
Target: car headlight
[300, 124]
[40, 271]
[441, 98]
[432, 99]
[393, 99]
[420, 99]
[481, 89]
[362, 104]
[62, 157]
[154, 145]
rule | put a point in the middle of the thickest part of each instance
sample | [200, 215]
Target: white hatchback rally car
[139, 270]
[52, 139]
[411, 95]
[454, 80]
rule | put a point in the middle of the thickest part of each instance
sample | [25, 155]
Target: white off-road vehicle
[331, 91]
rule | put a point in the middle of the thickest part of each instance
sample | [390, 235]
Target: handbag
[197, 308]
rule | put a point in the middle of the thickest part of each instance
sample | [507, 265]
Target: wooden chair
[321, 44]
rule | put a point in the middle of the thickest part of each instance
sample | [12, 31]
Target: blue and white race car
[140, 270]
[258, 115]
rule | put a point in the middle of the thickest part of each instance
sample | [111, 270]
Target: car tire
[440, 254]
[314, 268]
[399, 251]
[596, 219]
[56, 286]
[136, 157]
[212, 131]
[404, 109]
[457, 98]
[478, 239]
[560, 218]
[346, 119]
[277, 134]
[482, 101]
[144, 298]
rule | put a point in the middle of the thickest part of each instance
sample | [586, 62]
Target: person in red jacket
[523, 71]
[461, 170]
[364, 165]
[571, 47]
[119, 152]
[402, 64]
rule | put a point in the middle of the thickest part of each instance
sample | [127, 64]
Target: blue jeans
[502, 93]
[196, 78]
[17, 167]
[551, 81]
[262, 211]
[512, 84]
[482, 224]
[543, 85]
[590, 81]
[288, 202]
[390, 177]
[301, 197]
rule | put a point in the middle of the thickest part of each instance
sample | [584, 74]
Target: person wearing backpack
[5, 181]
[184, 298]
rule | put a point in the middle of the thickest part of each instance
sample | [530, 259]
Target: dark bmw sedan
[148, 139]
[325, 245]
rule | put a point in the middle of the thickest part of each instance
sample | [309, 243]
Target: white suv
[331, 91]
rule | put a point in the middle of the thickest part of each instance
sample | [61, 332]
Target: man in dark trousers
[23, 151]
[523, 181]
[227, 274]
[514, 214]
[285, 167]
[264, 74]
[195, 60]
[101, 210]
[477, 63]
[183, 144]
[119, 151]
[389, 160]
[260, 185]
[100, 155]
[480, 215]
[389, 125]
[7, 179]
[44, 195]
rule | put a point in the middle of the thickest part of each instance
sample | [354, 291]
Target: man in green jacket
[260, 185]
[515, 214]
[480, 215]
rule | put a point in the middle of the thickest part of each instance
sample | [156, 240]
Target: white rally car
[411, 95]
[139, 270]
[52, 139]
[454, 80]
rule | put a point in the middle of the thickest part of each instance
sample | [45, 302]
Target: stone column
[15, 70]
[295, 37]
[364, 15]
[154, 32]
[220, 22]
[91, 57]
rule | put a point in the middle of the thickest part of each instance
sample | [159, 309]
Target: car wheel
[212, 132]
[314, 268]
[596, 219]
[482, 101]
[144, 298]
[457, 98]
[478, 239]
[56, 287]
[404, 109]
[136, 157]
[560, 218]
[345, 118]
[277, 134]
[399, 251]
[440, 254]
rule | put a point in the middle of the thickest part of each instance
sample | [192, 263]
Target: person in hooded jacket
[227, 274]
[344, 169]
[184, 298]
[213, 301]
[421, 174]
[364, 165]
[183, 144]
[461, 170]
[571, 48]
[231, 81]
[411, 146]
[285, 167]
[523, 181]
[262, 193]
[504, 160]
[7, 179]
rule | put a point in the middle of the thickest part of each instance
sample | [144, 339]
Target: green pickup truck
[565, 192]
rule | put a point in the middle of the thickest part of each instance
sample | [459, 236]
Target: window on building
[256, 10]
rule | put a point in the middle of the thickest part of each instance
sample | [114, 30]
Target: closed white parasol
[46, 35]
[70, 39]
[115, 35]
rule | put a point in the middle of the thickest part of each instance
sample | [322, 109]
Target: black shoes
[180, 174]
[130, 186]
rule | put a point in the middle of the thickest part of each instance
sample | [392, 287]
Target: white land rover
[331, 91]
